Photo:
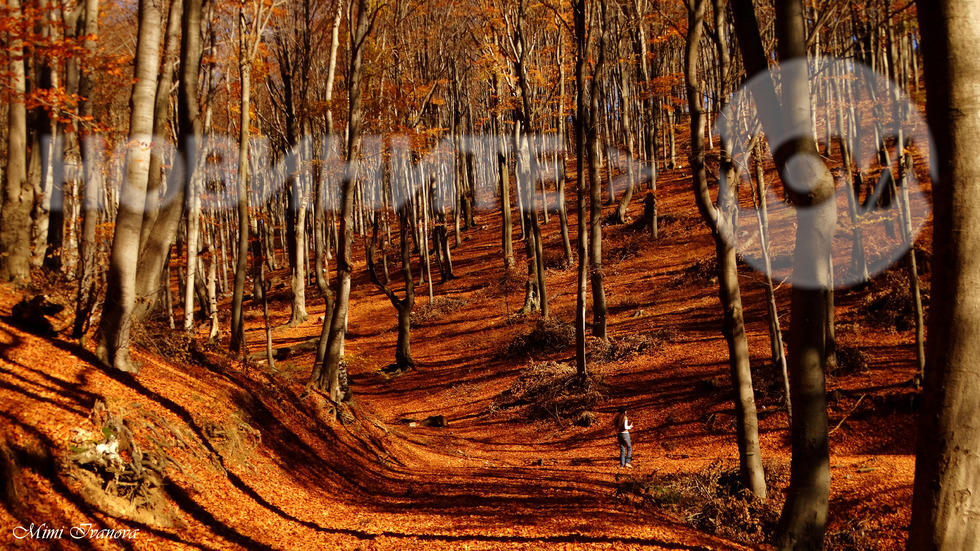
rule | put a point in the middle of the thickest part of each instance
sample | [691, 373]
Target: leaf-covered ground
[251, 459]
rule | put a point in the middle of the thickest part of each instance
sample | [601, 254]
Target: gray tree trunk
[946, 500]
[330, 379]
[91, 187]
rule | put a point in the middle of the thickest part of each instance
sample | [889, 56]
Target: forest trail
[258, 462]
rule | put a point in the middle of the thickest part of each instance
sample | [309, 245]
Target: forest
[490, 274]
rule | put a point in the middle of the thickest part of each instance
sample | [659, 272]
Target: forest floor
[251, 459]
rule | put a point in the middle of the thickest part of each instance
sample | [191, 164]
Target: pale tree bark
[18, 194]
[114, 330]
[320, 238]
[537, 296]
[190, 141]
[160, 221]
[946, 501]
[624, 201]
[161, 116]
[759, 191]
[503, 172]
[560, 155]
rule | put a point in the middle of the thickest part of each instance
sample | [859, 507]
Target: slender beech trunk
[581, 294]
[241, 264]
[330, 378]
[721, 221]
[507, 227]
[759, 192]
[560, 155]
[321, 238]
[91, 187]
[527, 170]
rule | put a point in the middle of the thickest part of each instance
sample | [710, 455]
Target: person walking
[623, 427]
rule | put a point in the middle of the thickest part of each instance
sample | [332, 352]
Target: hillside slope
[246, 458]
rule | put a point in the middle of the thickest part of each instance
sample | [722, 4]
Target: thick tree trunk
[945, 500]
[115, 327]
[160, 222]
[18, 194]
[161, 116]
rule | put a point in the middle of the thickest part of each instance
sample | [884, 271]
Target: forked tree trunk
[403, 347]
[160, 221]
[945, 500]
[115, 327]
[161, 116]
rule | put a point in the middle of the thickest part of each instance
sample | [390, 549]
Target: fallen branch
[847, 415]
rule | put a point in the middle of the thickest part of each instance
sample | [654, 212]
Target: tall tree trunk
[945, 500]
[721, 221]
[811, 188]
[599, 310]
[161, 116]
[115, 327]
[18, 194]
[330, 379]
[160, 222]
[91, 187]
[759, 191]
[241, 265]
[581, 297]
[507, 230]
